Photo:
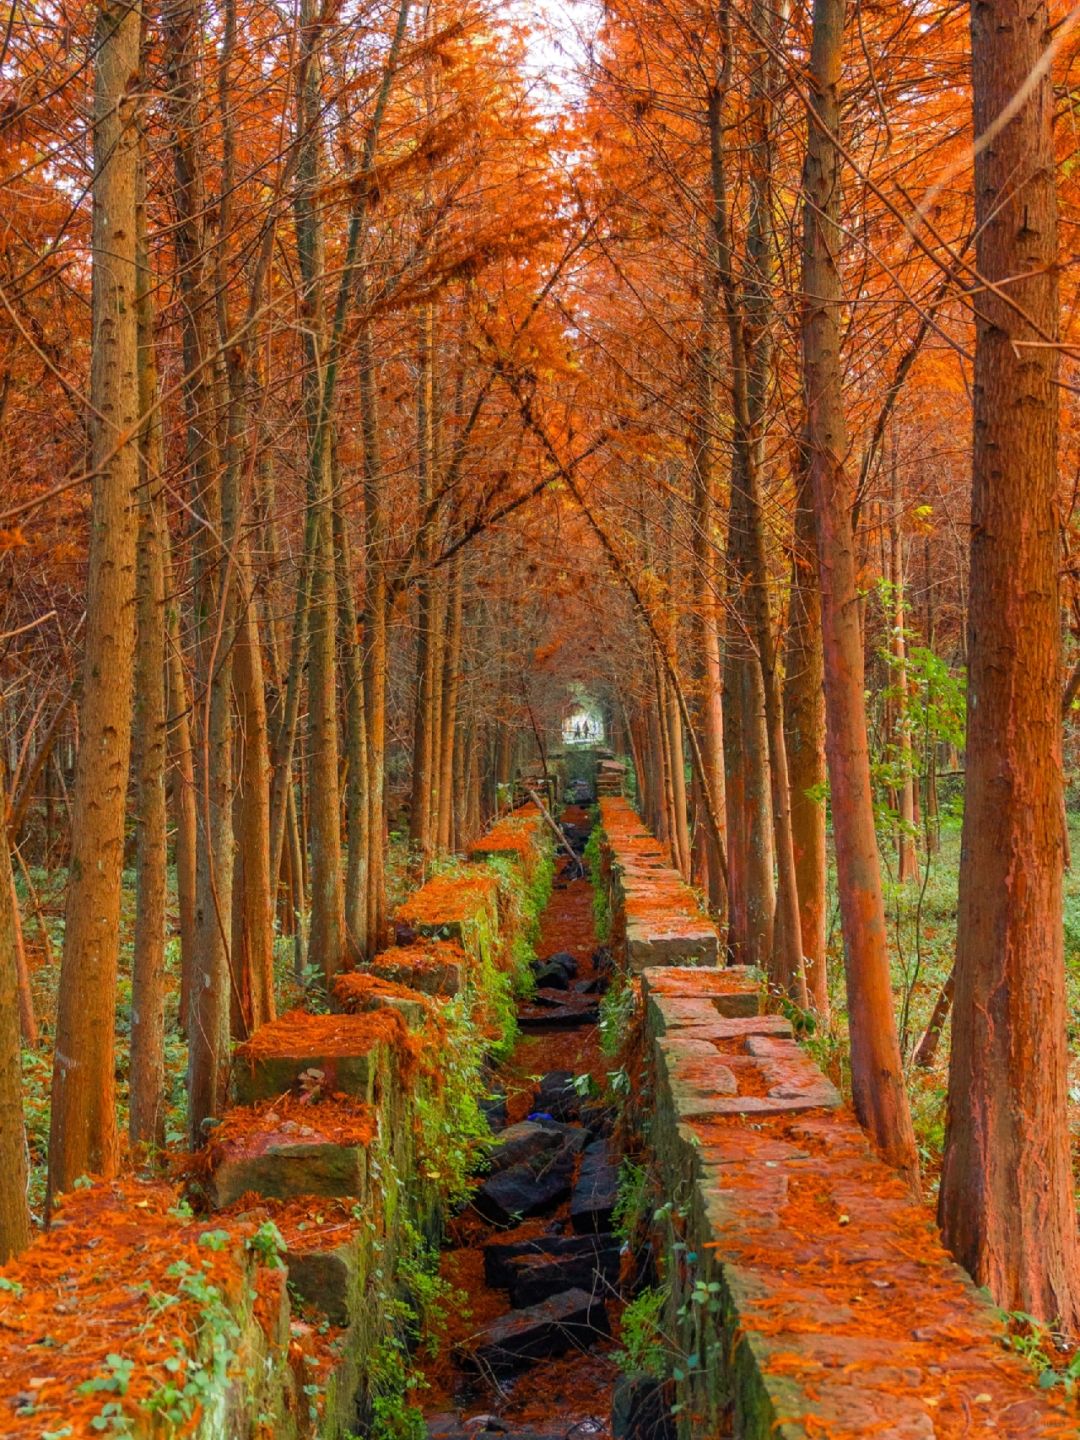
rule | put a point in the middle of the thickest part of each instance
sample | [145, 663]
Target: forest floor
[562, 1394]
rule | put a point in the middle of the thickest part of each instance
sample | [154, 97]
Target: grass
[921, 916]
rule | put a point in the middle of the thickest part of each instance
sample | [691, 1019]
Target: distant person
[577, 731]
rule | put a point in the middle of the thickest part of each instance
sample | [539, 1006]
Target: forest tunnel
[539, 676]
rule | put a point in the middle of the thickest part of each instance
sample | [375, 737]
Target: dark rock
[493, 1108]
[538, 1277]
[598, 985]
[573, 1320]
[502, 1258]
[565, 961]
[552, 977]
[557, 1017]
[597, 1118]
[514, 1194]
[448, 1427]
[547, 998]
[404, 934]
[641, 1409]
[557, 1095]
[597, 1189]
[535, 1143]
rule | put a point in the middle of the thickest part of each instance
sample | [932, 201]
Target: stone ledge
[837, 1312]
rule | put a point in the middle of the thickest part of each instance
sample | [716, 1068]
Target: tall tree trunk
[907, 864]
[451, 687]
[182, 778]
[804, 721]
[375, 631]
[82, 1134]
[1006, 1205]
[356, 796]
[423, 714]
[14, 1209]
[146, 1113]
[208, 988]
[253, 912]
[876, 1073]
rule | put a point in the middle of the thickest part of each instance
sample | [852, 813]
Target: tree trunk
[1007, 1205]
[804, 720]
[375, 631]
[14, 1210]
[877, 1078]
[146, 1114]
[423, 715]
[451, 687]
[208, 986]
[182, 784]
[82, 1135]
[356, 797]
[253, 910]
[907, 863]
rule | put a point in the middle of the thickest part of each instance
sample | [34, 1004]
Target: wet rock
[537, 1277]
[517, 1193]
[557, 1017]
[573, 1320]
[557, 1095]
[597, 1189]
[535, 1143]
[597, 986]
[501, 1257]
[565, 962]
[641, 1409]
[552, 977]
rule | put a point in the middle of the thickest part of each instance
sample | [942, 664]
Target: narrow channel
[531, 1356]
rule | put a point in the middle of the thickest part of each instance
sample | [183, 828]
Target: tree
[14, 1210]
[1006, 1203]
[876, 1073]
[82, 1133]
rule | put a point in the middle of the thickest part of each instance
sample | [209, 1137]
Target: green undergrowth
[601, 904]
[921, 915]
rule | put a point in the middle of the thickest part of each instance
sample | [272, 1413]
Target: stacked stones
[322, 1142]
[809, 1292]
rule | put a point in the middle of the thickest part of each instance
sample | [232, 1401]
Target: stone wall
[808, 1292]
[277, 1312]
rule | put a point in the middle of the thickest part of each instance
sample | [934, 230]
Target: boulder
[591, 1267]
[573, 1320]
[557, 1095]
[502, 1256]
[596, 1192]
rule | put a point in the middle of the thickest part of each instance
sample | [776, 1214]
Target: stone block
[573, 1320]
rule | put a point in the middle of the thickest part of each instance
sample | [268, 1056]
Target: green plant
[632, 1204]
[1038, 1345]
[267, 1245]
[616, 1014]
[601, 903]
[646, 1348]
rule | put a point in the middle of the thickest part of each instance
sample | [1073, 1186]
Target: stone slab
[574, 1320]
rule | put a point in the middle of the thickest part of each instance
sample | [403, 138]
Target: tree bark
[804, 722]
[877, 1078]
[1006, 1205]
[14, 1209]
[146, 1110]
[82, 1134]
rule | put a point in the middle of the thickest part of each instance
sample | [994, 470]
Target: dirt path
[555, 1395]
